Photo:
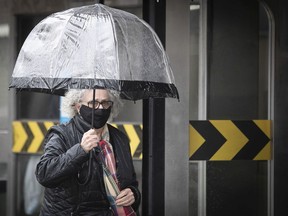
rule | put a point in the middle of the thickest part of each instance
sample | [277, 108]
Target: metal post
[202, 105]
[153, 166]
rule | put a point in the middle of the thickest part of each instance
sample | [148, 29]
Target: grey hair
[73, 96]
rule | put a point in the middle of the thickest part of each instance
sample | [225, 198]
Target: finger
[125, 201]
[92, 138]
[87, 136]
[125, 198]
[89, 144]
[91, 131]
[94, 144]
[122, 194]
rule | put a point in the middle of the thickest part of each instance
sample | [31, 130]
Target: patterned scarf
[112, 184]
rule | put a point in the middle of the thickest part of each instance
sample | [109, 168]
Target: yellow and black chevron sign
[230, 140]
[134, 133]
[29, 136]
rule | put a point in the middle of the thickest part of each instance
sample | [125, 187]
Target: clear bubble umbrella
[94, 47]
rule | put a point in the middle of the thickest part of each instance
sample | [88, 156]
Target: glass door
[231, 45]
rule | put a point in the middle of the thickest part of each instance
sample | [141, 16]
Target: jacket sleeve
[137, 196]
[59, 162]
[134, 188]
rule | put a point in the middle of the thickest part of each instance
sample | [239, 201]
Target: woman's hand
[90, 140]
[125, 198]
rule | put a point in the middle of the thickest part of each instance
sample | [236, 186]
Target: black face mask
[100, 116]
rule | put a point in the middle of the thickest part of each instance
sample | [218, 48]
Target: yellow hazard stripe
[134, 139]
[19, 136]
[38, 137]
[235, 140]
[48, 124]
[265, 153]
[141, 155]
[29, 138]
[196, 140]
[230, 140]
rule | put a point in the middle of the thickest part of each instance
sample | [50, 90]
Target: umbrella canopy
[93, 47]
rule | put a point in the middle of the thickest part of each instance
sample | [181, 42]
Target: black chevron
[213, 140]
[257, 140]
[138, 151]
[44, 131]
[30, 137]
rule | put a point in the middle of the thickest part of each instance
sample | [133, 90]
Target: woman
[81, 162]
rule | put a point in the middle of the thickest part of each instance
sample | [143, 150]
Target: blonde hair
[73, 96]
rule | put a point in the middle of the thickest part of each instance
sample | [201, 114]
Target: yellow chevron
[20, 136]
[141, 155]
[265, 126]
[265, 153]
[196, 140]
[114, 125]
[48, 124]
[134, 139]
[38, 137]
[235, 140]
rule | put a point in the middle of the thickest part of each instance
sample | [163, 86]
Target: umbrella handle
[91, 152]
[92, 122]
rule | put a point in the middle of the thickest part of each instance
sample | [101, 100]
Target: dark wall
[235, 187]
[233, 47]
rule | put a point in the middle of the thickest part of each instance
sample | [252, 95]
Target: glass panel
[263, 63]
[194, 59]
[193, 102]
[238, 89]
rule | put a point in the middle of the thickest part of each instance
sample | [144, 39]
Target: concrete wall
[177, 113]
